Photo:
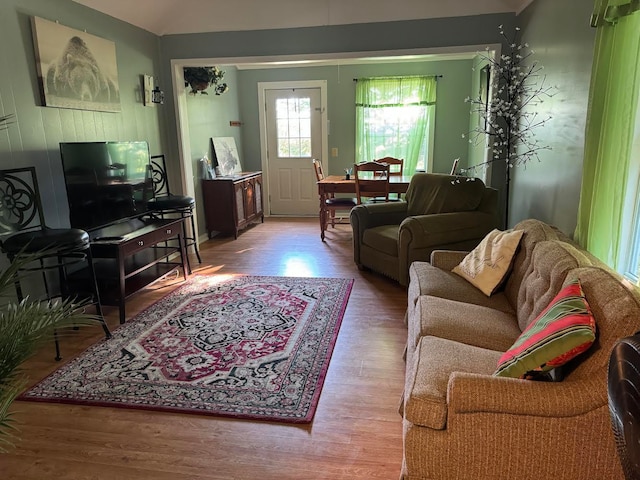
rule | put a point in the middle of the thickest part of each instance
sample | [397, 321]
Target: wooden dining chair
[331, 204]
[372, 181]
[396, 165]
[396, 169]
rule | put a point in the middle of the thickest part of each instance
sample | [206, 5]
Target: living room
[356, 435]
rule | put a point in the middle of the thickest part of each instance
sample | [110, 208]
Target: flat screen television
[107, 182]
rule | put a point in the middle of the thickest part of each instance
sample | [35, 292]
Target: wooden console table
[232, 202]
[128, 257]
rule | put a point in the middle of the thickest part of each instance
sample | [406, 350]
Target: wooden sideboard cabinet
[232, 202]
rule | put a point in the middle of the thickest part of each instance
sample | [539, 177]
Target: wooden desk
[338, 184]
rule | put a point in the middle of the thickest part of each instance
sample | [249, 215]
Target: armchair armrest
[445, 228]
[474, 393]
[363, 217]
[420, 235]
[375, 215]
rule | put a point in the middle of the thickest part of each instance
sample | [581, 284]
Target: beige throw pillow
[487, 265]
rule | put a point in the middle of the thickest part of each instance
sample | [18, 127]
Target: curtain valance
[380, 92]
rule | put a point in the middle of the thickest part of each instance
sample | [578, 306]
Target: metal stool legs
[61, 267]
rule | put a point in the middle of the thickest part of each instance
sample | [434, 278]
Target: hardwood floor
[356, 432]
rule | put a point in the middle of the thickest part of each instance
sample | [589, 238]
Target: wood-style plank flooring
[356, 432]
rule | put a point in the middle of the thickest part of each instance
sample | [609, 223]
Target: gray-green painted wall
[452, 114]
[209, 116]
[560, 34]
[33, 139]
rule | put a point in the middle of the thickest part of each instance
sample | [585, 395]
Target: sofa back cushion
[430, 193]
[534, 231]
[550, 263]
[616, 309]
[563, 330]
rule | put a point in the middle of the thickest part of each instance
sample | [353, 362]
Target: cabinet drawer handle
[169, 231]
[140, 243]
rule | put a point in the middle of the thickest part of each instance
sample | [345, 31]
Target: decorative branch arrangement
[201, 78]
[508, 117]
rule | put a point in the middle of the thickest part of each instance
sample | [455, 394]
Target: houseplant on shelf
[201, 78]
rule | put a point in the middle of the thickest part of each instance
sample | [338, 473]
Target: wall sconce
[157, 95]
[152, 94]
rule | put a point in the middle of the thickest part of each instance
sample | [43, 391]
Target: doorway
[292, 134]
[189, 175]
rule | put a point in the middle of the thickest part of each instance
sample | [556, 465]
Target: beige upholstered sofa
[462, 422]
[439, 213]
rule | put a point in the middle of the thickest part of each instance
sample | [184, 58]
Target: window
[293, 117]
[394, 117]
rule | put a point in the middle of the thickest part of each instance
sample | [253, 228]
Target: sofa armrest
[446, 259]
[367, 216]
[474, 393]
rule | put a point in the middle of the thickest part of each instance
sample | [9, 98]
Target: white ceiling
[164, 17]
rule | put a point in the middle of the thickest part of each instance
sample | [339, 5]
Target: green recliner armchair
[438, 214]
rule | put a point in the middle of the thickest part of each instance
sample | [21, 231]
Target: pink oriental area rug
[243, 346]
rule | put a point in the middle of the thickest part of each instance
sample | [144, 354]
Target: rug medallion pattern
[250, 347]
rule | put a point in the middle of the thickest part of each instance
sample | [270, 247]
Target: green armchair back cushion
[432, 193]
[439, 212]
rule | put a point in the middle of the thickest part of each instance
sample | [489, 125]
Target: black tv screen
[107, 182]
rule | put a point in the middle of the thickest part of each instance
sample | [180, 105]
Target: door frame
[262, 121]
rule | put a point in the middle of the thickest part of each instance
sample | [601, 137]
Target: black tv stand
[109, 239]
[128, 256]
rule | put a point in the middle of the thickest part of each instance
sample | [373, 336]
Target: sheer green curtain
[610, 173]
[393, 116]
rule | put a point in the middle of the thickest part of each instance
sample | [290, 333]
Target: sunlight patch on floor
[299, 265]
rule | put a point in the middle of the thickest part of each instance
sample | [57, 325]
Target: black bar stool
[23, 235]
[166, 203]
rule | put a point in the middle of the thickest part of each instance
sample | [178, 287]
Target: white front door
[293, 119]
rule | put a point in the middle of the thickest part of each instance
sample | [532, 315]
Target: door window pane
[294, 127]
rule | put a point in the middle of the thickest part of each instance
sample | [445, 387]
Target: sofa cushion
[426, 279]
[563, 330]
[383, 239]
[534, 231]
[486, 266]
[462, 322]
[427, 379]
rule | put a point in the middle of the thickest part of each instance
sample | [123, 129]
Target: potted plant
[24, 326]
[201, 78]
